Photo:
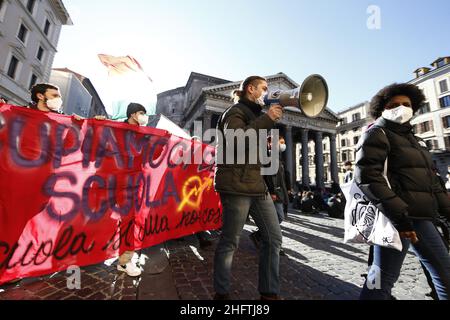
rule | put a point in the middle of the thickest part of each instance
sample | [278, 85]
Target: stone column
[207, 122]
[290, 154]
[334, 162]
[319, 160]
[305, 158]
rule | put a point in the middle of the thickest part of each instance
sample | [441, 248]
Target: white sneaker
[130, 269]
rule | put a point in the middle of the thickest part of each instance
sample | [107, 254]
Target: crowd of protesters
[416, 201]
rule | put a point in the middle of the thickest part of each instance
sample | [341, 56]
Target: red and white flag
[121, 65]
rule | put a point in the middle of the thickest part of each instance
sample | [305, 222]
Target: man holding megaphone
[242, 190]
[241, 186]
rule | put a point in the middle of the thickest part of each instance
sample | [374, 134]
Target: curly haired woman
[415, 198]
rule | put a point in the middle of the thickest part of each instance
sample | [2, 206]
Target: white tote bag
[364, 223]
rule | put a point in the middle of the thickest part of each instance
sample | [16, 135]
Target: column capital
[288, 127]
[304, 135]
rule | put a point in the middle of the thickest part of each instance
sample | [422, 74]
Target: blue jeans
[387, 264]
[280, 211]
[235, 212]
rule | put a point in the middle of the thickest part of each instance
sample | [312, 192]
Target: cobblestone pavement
[99, 282]
[318, 266]
[102, 282]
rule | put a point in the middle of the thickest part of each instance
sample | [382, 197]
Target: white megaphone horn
[311, 98]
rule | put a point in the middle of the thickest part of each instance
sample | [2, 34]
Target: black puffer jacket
[416, 192]
[242, 179]
[280, 184]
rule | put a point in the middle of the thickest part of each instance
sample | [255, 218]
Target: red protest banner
[81, 192]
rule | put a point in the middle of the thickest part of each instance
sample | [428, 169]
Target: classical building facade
[205, 98]
[29, 34]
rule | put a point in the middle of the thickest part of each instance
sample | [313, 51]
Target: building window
[33, 81]
[421, 128]
[446, 122]
[47, 27]
[13, 65]
[443, 86]
[344, 121]
[40, 53]
[432, 144]
[23, 32]
[424, 109]
[356, 117]
[30, 5]
[424, 127]
[343, 143]
[344, 157]
[427, 126]
[447, 142]
[445, 101]
[355, 140]
[441, 63]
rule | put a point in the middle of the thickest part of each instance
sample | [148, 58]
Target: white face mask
[54, 104]
[400, 114]
[143, 120]
[283, 147]
[261, 101]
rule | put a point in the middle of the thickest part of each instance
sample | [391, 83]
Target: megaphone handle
[275, 112]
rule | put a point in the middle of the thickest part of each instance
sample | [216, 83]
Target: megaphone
[311, 98]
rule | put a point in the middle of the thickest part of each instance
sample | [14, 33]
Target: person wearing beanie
[136, 115]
